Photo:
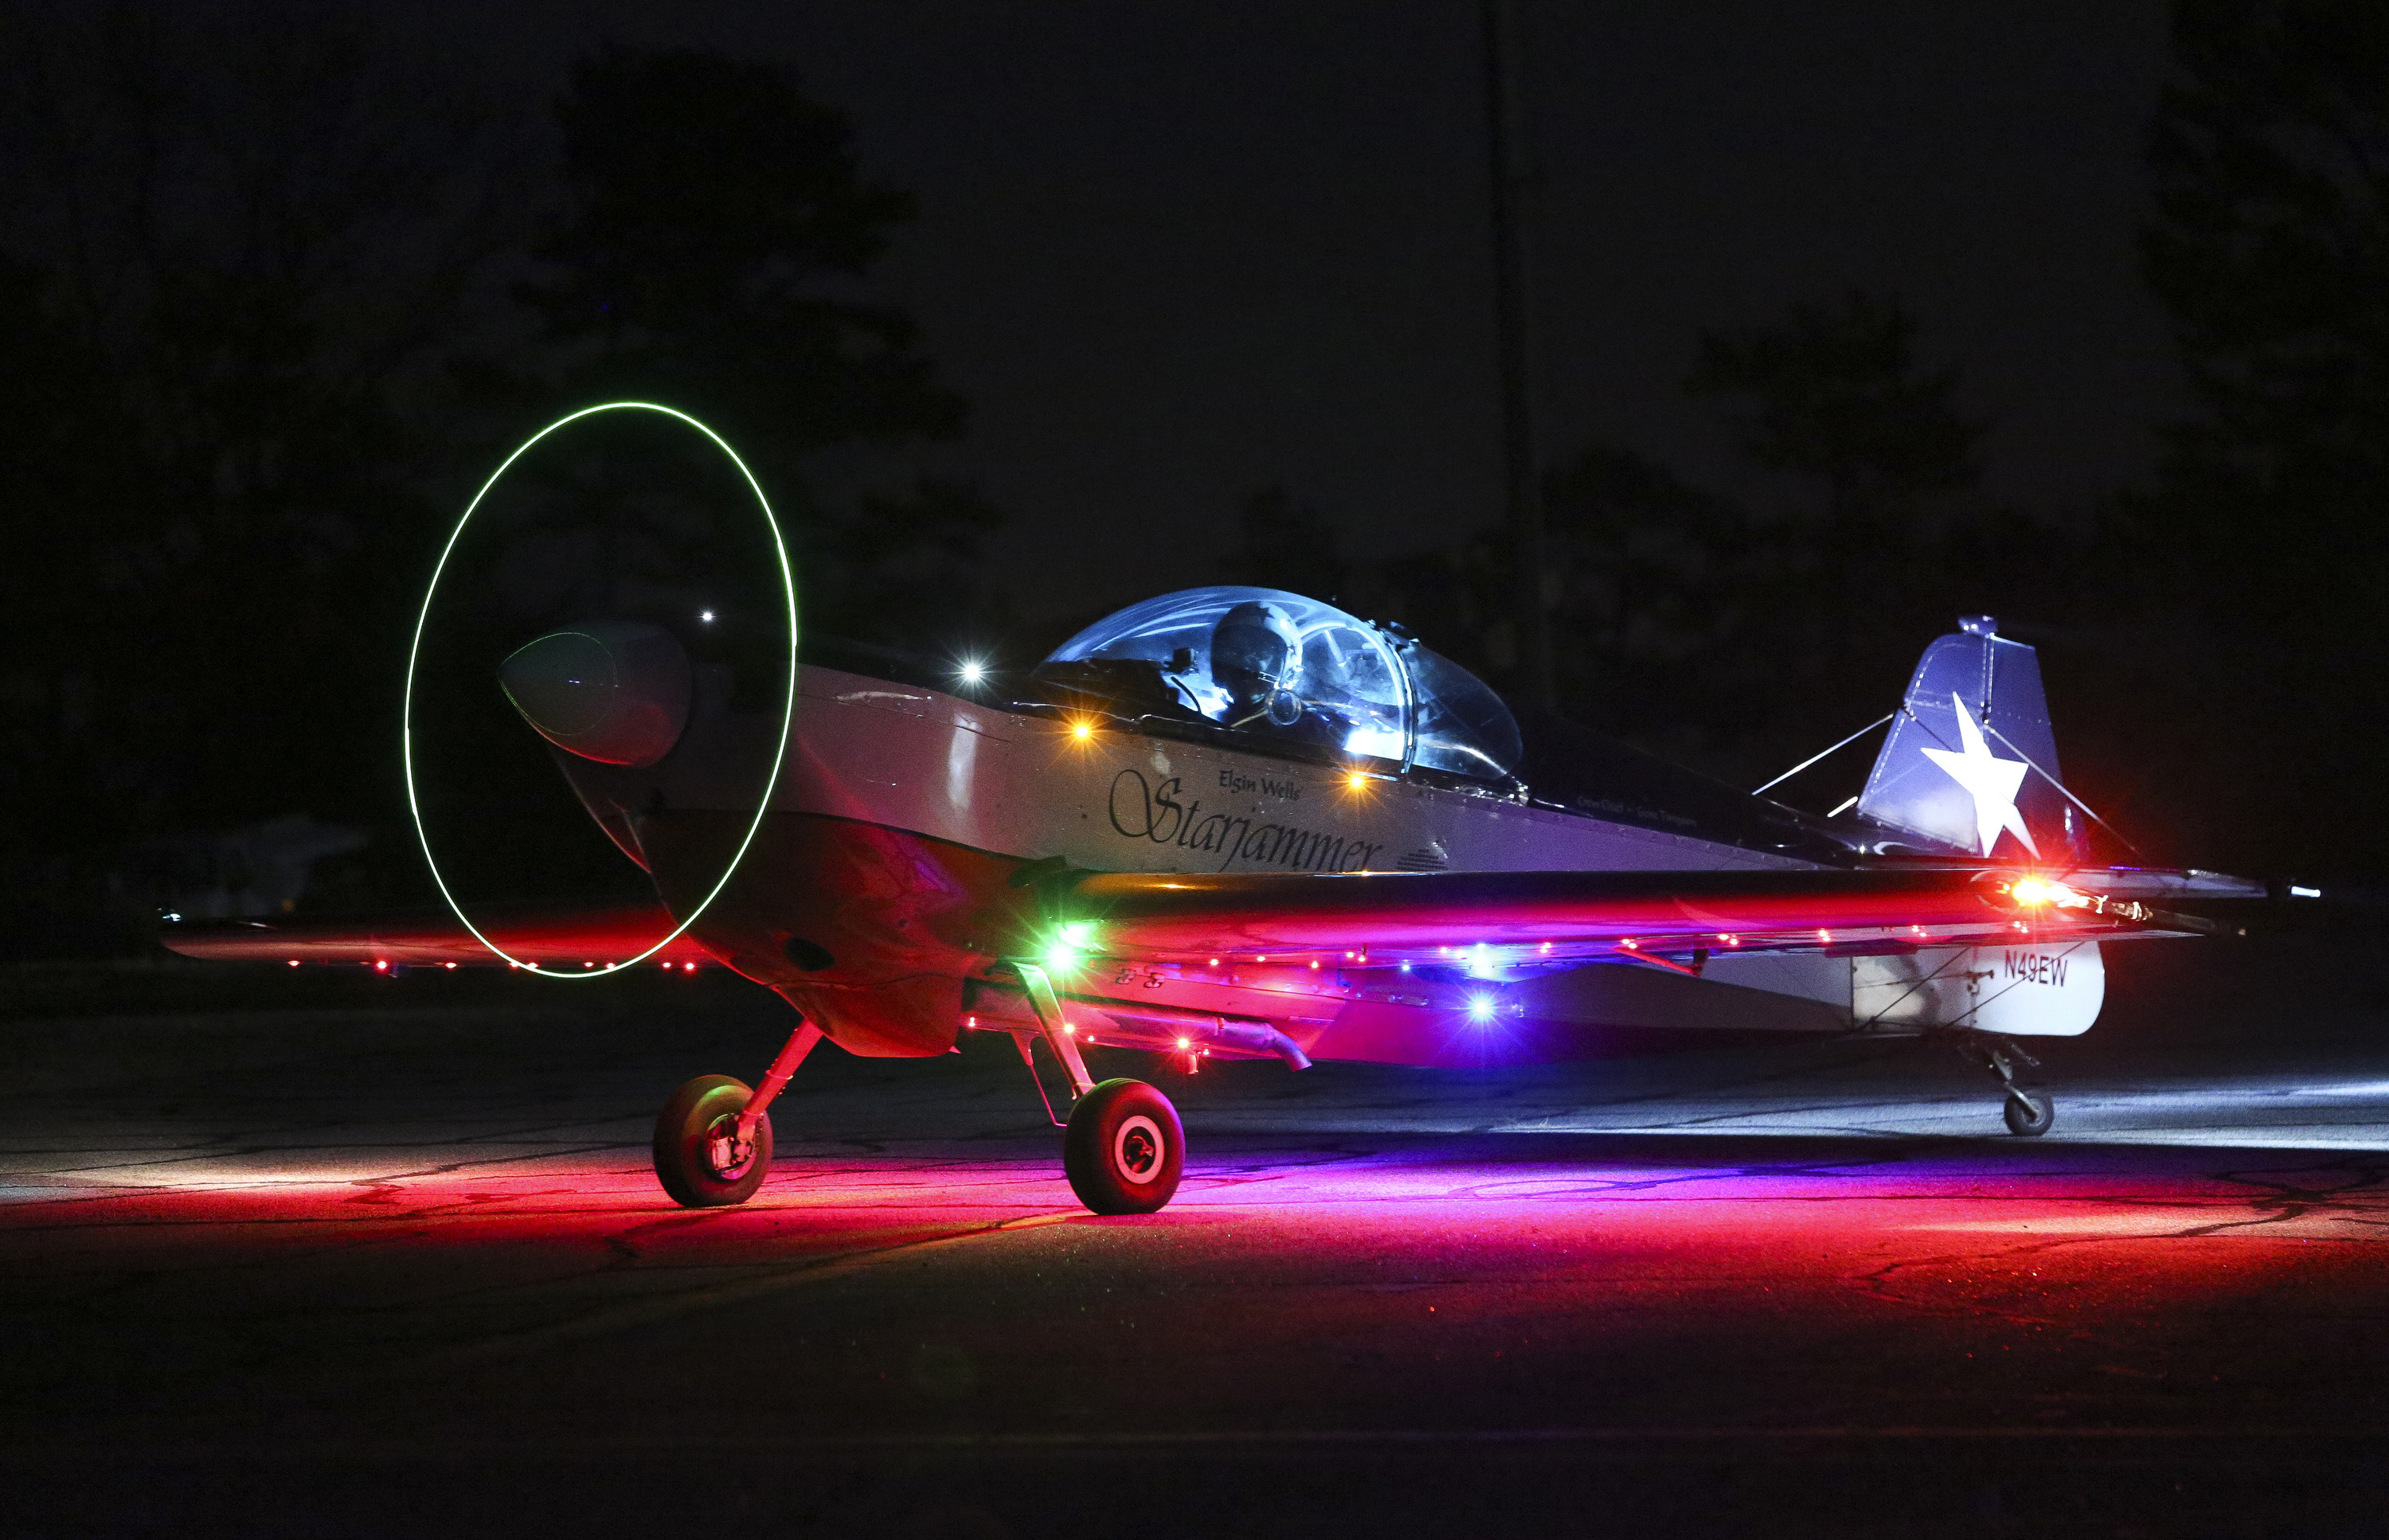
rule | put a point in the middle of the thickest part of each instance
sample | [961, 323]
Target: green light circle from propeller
[787, 708]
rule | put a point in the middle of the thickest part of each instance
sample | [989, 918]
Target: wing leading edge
[556, 938]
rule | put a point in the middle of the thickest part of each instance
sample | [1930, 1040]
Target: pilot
[1256, 657]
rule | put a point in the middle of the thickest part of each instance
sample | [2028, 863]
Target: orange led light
[2039, 892]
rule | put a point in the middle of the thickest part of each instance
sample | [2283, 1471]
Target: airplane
[1235, 823]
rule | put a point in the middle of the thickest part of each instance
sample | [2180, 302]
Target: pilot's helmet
[1255, 654]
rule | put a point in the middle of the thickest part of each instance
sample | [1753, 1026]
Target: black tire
[2029, 1114]
[688, 1134]
[1124, 1149]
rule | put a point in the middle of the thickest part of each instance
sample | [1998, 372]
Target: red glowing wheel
[1124, 1151]
[697, 1156]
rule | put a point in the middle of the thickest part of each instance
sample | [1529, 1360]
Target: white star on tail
[1989, 780]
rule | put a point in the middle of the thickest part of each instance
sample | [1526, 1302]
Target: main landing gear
[1124, 1148]
[2029, 1110]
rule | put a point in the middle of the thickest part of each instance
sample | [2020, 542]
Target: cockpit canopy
[1291, 672]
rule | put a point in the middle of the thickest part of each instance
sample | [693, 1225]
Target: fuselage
[893, 872]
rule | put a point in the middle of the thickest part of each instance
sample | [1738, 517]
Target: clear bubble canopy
[1292, 671]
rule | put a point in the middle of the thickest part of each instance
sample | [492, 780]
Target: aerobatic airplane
[1236, 823]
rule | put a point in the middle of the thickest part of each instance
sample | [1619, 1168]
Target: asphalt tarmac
[390, 1260]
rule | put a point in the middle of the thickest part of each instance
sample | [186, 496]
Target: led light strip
[787, 709]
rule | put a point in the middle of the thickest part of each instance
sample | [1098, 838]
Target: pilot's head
[1252, 657]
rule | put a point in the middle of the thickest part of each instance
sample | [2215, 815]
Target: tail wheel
[2029, 1114]
[1124, 1149]
[697, 1157]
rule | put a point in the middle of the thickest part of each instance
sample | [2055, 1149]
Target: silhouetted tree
[707, 254]
[1647, 567]
[2263, 553]
[1834, 571]
[256, 336]
[2270, 150]
[250, 242]
[1281, 543]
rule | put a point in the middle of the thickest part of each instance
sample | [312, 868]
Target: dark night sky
[1173, 252]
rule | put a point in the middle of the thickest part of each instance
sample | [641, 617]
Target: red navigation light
[381, 967]
[2045, 893]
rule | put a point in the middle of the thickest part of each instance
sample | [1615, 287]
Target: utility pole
[1505, 114]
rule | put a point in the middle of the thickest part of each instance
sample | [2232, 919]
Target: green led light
[788, 708]
[1062, 953]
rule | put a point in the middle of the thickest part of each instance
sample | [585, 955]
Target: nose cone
[616, 692]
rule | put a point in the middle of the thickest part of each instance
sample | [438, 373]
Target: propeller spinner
[613, 691]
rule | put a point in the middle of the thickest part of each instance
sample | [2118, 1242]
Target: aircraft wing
[1523, 917]
[552, 938]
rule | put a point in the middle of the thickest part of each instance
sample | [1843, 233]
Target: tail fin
[1970, 765]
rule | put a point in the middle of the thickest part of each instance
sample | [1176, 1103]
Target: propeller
[673, 632]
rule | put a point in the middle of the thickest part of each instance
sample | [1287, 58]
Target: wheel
[694, 1159]
[1124, 1149]
[2029, 1114]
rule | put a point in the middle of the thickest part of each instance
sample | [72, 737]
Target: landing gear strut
[2029, 1110]
[1124, 1148]
[713, 1139]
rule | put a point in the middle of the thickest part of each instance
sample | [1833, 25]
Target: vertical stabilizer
[1970, 766]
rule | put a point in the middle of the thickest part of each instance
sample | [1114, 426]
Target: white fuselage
[936, 764]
